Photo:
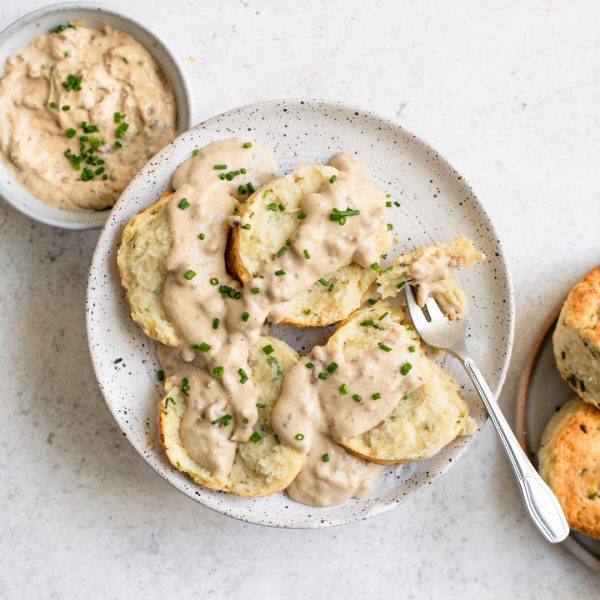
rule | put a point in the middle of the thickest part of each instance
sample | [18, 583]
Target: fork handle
[540, 502]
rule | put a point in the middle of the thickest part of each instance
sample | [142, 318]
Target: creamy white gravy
[91, 93]
[219, 320]
[430, 274]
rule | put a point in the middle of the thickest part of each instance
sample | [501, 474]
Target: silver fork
[541, 504]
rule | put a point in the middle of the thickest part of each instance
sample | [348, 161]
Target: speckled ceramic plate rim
[215, 500]
[21, 199]
[571, 543]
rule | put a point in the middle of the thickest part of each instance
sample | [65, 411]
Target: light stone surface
[508, 93]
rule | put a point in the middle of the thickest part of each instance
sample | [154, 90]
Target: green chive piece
[247, 145]
[250, 187]
[376, 396]
[260, 405]
[412, 348]
[53, 105]
[189, 274]
[388, 204]
[281, 251]
[325, 458]
[400, 285]
[118, 144]
[406, 367]
[255, 290]
[196, 152]
[332, 178]
[117, 361]
[70, 133]
[255, 437]
[307, 311]
[356, 398]
[406, 397]
[309, 365]
[277, 440]
[272, 206]
[330, 288]
[390, 227]
[372, 301]
[219, 167]
[73, 83]
[388, 195]
[242, 189]
[245, 421]
[246, 226]
[375, 267]
[243, 171]
[280, 273]
[66, 107]
[268, 349]
[201, 236]
[281, 207]
[384, 347]
[306, 254]
[160, 375]
[218, 371]
[396, 203]
[332, 367]
[213, 281]
[243, 375]
[183, 204]
[185, 386]
[301, 217]
[216, 323]
[245, 316]
[224, 420]
[367, 323]
[323, 281]
[383, 316]
[299, 437]
[344, 389]
[323, 376]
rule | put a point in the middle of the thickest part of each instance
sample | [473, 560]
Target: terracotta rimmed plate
[435, 204]
[542, 391]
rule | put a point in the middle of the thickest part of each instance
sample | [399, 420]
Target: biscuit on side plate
[576, 338]
[423, 422]
[250, 249]
[569, 462]
[260, 468]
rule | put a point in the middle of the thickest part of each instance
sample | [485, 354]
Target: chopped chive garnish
[246, 226]
[247, 145]
[406, 367]
[183, 204]
[375, 267]
[73, 83]
[331, 286]
[219, 167]
[325, 457]
[332, 367]
[388, 204]
[301, 217]
[185, 386]
[323, 281]
[201, 236]
[344, 389]
[189, 274]
[70, 133]
[196, 152]
[66, 107]
[245, 316]
[400, 285]
[390, 227]
[307, 311]
[388, 195]
[299, 437]
[245, 421]
[216, 323]
[121, 130]
[118, 144]
[218, 371]
[213, 281]
[281, 207]
[224, 420]
[396, 203]
[260, 405]
[118, 117]
[249, 186]
[160, 375]
[243, 171]
[243, 375]
[255, 437]
[280, 273]
[255, 290]
[323, 376]
[340, 215]
[332, 178]
[372, 301]
[306, 254]
[367, 323]
[266, 192]
[268, 349]
[272, 205]
[242, 189]
[383, 316]
[412, 348]
[384, 347]
[281, 251]
[406, 397]
[356, 397]
[309, 365]
[277, 440]
[376, 396]
[53, 105]
[117, 361]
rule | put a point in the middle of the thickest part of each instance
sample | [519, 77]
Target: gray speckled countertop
[507, 92]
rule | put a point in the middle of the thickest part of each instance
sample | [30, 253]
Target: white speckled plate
[542, 391]
[435, 205]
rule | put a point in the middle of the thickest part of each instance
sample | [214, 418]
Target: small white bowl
[18, 35]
